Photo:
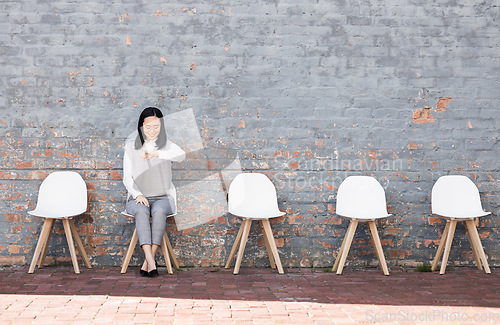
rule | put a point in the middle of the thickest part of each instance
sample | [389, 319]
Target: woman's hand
[149, 154]
[140, 199]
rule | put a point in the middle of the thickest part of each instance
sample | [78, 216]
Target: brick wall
[308, 92]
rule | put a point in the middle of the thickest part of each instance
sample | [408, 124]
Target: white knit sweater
[151, 177]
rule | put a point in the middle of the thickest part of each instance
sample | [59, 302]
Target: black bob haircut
[161, 141]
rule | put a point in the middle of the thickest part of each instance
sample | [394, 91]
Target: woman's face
[151, 127]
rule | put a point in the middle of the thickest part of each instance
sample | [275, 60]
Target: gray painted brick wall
[307, 92]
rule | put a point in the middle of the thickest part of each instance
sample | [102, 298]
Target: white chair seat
[45, 214]
[466, 217]
[258, 217]
[365, 219]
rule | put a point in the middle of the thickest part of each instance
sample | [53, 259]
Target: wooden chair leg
[268, 232]
[235, 245]
[442, 243]
[341, 250]
[166, 254]
[378, 247]
[171, 252]
[41, 241]
[79, 243]
[130, 251]
[268, 248]
[71, 244]
[475, 236]
[473, 246]
[447, 248]
[350, 236]
[377, 252]
[46, 244]
[243, 242]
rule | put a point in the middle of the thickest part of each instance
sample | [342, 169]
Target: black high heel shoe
[146, 273]
[153, 273]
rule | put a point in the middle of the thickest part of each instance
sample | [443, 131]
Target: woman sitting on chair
[147, 176]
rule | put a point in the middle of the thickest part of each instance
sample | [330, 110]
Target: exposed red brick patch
[326, 245]
[393, 231]
[67, 154]
[280, 242]
[293, 219]
[14, 249]
[10, 260]
[333, 220]
[13, 217]
[94, 240]
[484, 234]
[8, 175]
[313, 209]
[123, 16]
[115, 175]
[23, 165]
[37, 174]
[397, 254]
[319, 143]
[412, 145]
[294, 165]
[423, 115]
[434, 220]
[442, 102]
[428, 242]
[17, 229]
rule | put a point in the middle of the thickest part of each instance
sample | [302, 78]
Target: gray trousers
[159, 209]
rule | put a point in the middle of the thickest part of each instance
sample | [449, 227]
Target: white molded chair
[252, 196]
[62, 195]
[456, 198]
[361, 199]
[166, 248]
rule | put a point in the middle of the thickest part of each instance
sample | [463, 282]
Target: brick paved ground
[255, 296]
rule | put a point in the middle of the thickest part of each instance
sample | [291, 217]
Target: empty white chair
[252, 196]
[62, 195]
[360, 199]
[456, 198]
[166, 248]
